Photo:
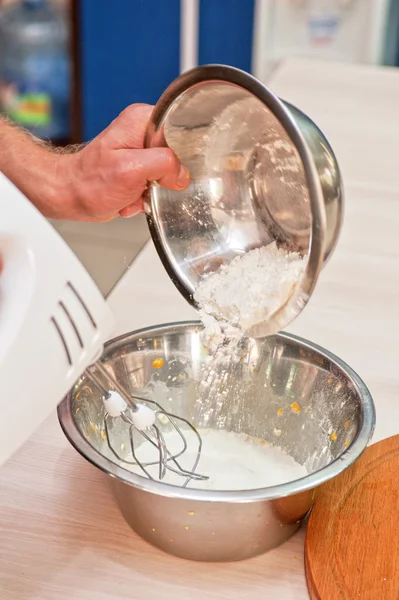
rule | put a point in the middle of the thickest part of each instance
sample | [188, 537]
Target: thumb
[161, 165]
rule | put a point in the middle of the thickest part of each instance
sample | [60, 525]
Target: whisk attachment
[143, 415]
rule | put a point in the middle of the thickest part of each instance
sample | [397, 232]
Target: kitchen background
[68, 67]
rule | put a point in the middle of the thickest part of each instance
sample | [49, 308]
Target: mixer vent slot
[82, 302]
[73, 324]
[63, 340]
[60, 324]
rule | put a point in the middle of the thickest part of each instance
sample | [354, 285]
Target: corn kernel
[295, 407]
[280, 411]
[158, 363]
[333, 436]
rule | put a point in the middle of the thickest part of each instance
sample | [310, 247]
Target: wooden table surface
[61, 535]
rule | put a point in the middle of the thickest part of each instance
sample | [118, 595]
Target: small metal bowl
[328, 434]
[261, 171]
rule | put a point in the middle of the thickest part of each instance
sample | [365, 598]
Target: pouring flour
[247, 291]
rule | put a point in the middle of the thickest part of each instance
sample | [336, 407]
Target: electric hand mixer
[54, 321]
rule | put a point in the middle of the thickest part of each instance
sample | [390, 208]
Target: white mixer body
[53, 319]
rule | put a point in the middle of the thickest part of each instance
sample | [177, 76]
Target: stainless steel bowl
[261, 171]
[228, 525]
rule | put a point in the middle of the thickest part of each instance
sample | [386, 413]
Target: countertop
[61, 535]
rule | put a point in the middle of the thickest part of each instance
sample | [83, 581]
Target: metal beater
[140, 417]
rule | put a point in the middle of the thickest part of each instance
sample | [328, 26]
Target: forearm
[35, 168]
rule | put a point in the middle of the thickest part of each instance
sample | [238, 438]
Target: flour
[232, 461]
[248, 290]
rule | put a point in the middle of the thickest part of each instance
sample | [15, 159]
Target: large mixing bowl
[326, 432]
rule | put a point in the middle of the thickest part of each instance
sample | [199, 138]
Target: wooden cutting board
[352, 540]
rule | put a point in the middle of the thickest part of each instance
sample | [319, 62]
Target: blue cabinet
[129, 52]
[225, 32]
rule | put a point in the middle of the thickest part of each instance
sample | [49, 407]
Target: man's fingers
[128, 129]
[181, 182]
[161, 165]
[106, 219]
[136, 208]
[154, 164]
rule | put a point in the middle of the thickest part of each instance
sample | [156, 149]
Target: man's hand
[102, 180]
[109, 175]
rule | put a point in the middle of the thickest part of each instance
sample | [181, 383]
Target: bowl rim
[309, 482]
[315, 258]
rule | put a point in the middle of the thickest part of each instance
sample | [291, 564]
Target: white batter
[232, 461]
